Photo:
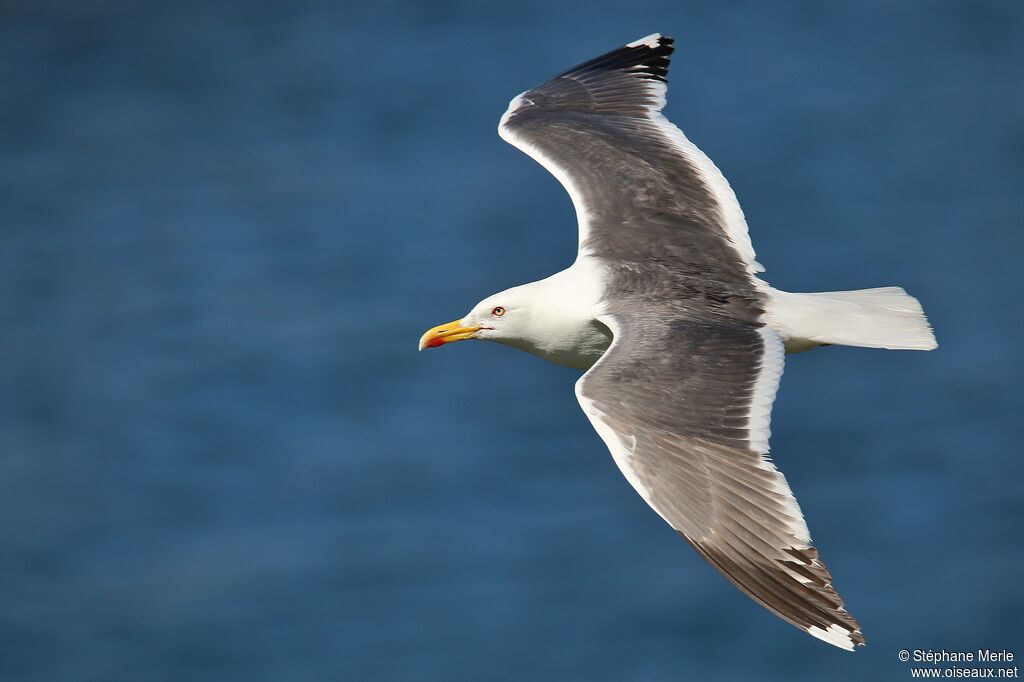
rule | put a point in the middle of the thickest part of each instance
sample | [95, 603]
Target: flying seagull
[682, 342]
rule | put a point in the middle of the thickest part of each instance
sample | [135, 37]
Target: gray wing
[684, 406]
[640, 188]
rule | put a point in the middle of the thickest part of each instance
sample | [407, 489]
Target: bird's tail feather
[887, 317]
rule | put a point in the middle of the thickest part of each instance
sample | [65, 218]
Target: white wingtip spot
[648, 41]
[834, 635]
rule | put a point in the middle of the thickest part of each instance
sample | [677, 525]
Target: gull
[681, 341]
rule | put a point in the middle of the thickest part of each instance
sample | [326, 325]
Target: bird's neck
[564, 325]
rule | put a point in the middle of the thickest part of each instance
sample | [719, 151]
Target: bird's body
[681, 341]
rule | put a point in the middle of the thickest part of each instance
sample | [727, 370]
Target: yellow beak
[446, 333]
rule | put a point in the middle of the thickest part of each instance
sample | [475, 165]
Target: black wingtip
[653, 53]
[647, 57]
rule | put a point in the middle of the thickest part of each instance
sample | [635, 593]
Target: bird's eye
[497, 311]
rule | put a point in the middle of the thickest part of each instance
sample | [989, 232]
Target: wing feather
[633, 176]
[716, 487]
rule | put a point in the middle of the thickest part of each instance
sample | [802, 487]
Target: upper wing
[634, 178]
[685, 408]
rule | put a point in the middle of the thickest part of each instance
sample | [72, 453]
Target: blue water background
[223, 227]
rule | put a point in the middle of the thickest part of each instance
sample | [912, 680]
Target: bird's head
[549, 319]
[506, 317]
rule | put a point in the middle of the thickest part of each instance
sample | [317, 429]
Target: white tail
[873, 318]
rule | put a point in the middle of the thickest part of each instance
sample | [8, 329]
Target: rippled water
[224, 228]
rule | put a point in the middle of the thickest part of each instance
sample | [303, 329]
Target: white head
[543, 318]
[516, 317]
